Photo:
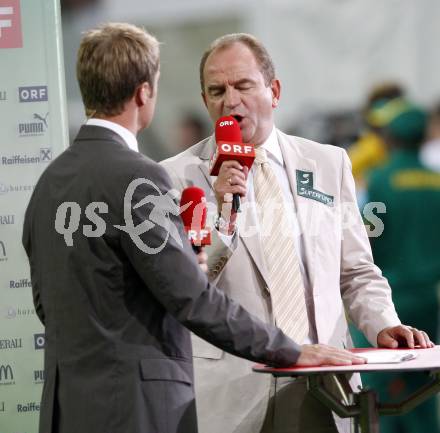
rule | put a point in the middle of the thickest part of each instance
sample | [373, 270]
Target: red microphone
[230, 147]
[194, 217]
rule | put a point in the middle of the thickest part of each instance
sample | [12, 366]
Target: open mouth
[237, 117]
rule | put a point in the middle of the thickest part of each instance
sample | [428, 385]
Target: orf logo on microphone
[226, 123]
[227, 151]
[200, 237]
[39, 341]
[237, 149]
[10, 24]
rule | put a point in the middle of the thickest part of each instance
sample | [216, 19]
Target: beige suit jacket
[339, 263]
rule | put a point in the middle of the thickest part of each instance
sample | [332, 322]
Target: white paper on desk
[387, 356]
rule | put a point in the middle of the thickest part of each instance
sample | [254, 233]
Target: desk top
[427, 359]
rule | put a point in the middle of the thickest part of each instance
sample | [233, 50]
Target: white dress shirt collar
[124, 133]
[272, 147]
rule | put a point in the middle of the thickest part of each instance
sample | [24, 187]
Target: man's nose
[232, 97]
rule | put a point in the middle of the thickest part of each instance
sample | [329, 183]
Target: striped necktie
[285, 281]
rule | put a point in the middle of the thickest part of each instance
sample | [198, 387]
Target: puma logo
[42, 119]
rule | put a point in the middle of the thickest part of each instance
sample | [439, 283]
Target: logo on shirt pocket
[304, 188]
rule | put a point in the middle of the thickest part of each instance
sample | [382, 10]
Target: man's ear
[143, 93]
[275, 87]
[204, 99]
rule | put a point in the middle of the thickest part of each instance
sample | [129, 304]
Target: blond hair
[113, 60]
[259, 51]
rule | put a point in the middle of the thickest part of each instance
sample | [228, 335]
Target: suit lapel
[205, 155]
[245, 220]
[251, 239]
[294, 160]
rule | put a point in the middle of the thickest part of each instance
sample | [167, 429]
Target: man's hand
[202, 258]
[231, 180]
[403, 336]
[321, 354]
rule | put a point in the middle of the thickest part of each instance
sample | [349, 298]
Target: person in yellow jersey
[370, 151]
[408, 250]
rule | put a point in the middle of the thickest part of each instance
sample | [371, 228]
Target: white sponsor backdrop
[33, 131]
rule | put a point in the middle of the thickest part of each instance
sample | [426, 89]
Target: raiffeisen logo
[10, 24]
[19, 284]
[28, 407]
[20, 160]
[44, 156]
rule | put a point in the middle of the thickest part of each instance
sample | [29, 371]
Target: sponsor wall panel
[33, 131]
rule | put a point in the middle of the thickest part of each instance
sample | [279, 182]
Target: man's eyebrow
[215, 87]
[244, 81]
[235, 83]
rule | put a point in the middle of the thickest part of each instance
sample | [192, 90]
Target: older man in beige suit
[303, 274]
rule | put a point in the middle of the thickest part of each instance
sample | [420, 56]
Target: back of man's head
[113, 60]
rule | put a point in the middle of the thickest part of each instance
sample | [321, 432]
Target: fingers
[320, 354]
[430, 344]
[347, 357]
[386, 339]
[340, 356]
[422, 339]
[202, 259]
[231, 179]
[408, 336]
[231, 164]
[232, 175]
[419, 338]
[405, 336]
[396, 336]
[246, 171]
[226, 188]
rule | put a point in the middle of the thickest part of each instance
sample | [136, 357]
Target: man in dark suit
[114, 280]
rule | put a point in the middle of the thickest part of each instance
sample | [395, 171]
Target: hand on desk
[321, 354]
[403, 336]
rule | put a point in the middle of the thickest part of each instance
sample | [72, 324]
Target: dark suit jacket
[118, 354]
